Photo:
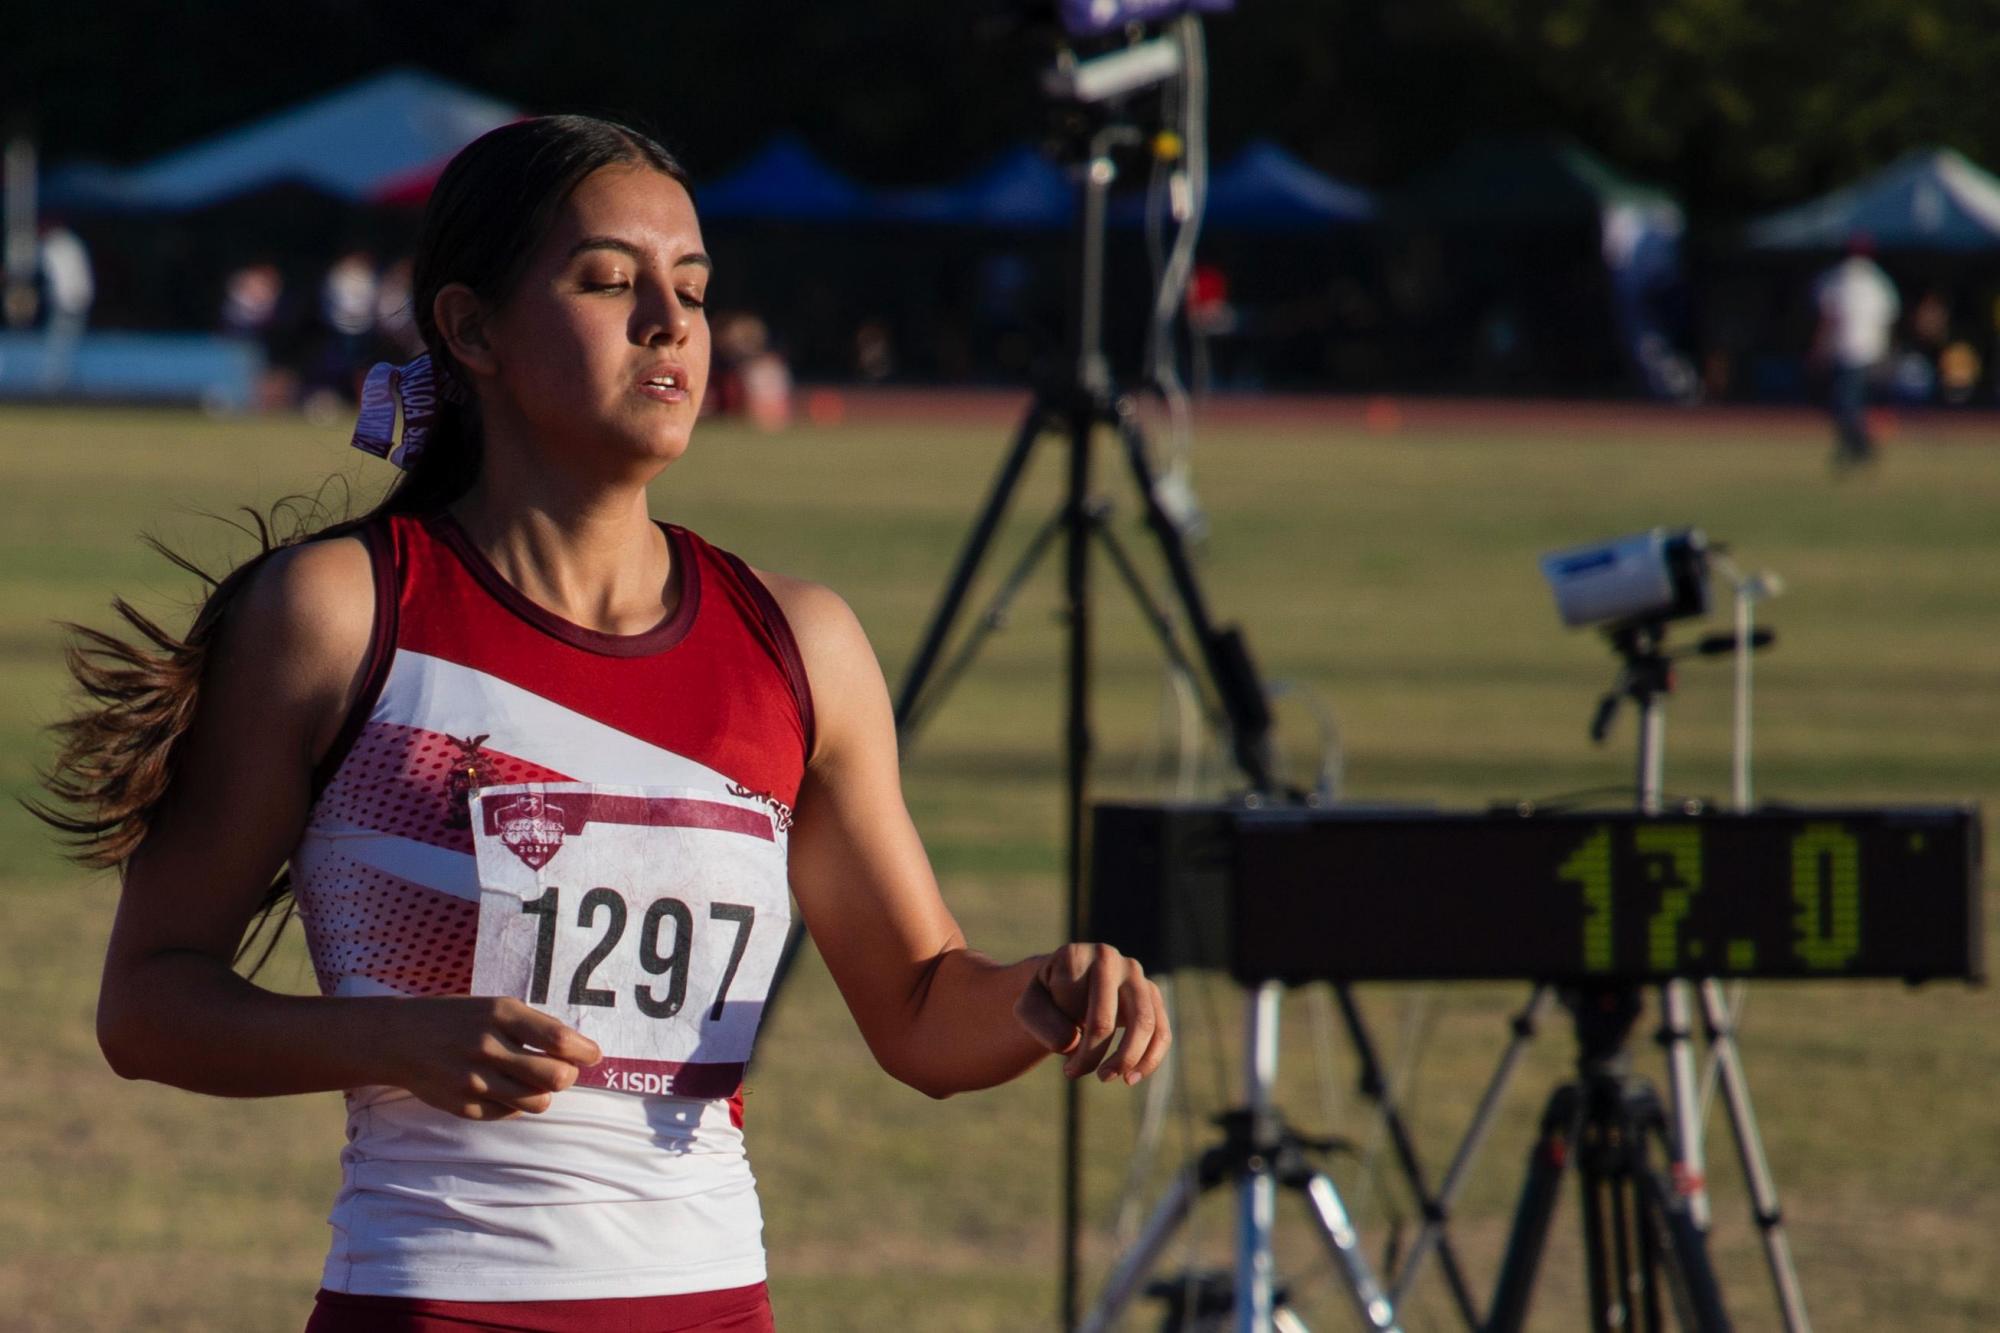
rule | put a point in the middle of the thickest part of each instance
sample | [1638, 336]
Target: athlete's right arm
[286, 667]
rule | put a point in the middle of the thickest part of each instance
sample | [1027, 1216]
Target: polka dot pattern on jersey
[412, 783]
[361, 921]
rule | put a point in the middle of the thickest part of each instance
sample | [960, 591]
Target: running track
[1386, 415]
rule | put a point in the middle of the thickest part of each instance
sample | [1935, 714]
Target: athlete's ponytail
[491, 209]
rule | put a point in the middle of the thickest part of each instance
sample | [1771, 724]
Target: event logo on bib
[531, 828]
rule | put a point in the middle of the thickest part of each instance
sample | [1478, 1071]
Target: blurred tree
[1744, 103]
[1736, 104]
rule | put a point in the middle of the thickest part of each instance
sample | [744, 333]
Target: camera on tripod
[1646, 578]
[1135, 64]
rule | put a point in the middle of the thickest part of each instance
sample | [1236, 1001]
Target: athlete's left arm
[937, 1014]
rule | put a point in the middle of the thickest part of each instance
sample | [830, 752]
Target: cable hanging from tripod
[1178, 188]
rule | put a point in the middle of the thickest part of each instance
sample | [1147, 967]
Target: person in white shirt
[69, 289]
[1858, 306]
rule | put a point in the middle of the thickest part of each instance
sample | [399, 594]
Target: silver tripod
[1258, 1154]
[1646, 678]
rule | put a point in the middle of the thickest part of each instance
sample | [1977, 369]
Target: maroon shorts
[736, 1310]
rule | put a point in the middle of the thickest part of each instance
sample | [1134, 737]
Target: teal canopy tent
[1931, 199]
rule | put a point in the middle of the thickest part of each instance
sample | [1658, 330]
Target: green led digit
[1826, 887]
[1589, 868]
[1674, 852]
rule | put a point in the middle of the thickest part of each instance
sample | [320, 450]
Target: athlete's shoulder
[820, 618]
[850, 699]
[309, 605]
[326, 575]
[292, 644]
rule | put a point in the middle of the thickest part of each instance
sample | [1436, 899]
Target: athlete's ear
[461, 321]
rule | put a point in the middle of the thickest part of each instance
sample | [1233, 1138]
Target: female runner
[517, 751]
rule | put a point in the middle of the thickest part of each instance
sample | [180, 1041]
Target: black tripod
[1235, 700]
[1612, 1119]
[1075, 410]
[1640, 1234]
[1074, 407]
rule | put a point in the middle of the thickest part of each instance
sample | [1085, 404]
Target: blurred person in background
[874, 352]
[393, 724]
[347, 312]
[1959, 369]
[752, 379]
[251, 296]
[68, 290]
[1210, 316]
[1952, 360]
[253, 305]
[1858, 306]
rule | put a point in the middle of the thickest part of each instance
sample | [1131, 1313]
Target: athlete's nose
[662, 318]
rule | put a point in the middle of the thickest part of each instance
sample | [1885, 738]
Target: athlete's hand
[485, 1058]
[1080, 997]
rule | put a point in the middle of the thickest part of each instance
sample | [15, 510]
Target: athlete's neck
[597, 561]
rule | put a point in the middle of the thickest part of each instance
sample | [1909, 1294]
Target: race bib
[650, 919]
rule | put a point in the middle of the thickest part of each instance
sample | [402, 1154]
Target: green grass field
[1392, 576]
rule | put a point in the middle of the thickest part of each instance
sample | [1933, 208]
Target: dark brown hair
[492, 207]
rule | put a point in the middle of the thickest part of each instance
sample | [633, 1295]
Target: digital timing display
[1323, 894]
[1826, 894]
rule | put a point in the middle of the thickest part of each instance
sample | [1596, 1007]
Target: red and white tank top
[629, 801]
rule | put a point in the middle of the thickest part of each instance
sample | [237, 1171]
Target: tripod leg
[1163, 628]
[1223, 651]
[1677, 1035]
[1522, 1026]
[1750, 1149]
[969, 558]
[1256, 1268]
[1126, 1278]
[1076, 603]
[1433, 1205]
[1257, 1186]
[991, 619]
[1591, 1187]
[1623, 1277]
[1691, 1277]
[1652, 1259]
[1344, 1245]
[1529, 1235]
[1667, 1211]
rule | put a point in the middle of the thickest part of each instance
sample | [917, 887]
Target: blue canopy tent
[1931, 199]
[785, 181]
[1265, 188]
[1021, 190]
[350, 145]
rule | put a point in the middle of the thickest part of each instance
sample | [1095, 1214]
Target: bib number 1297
[667, 918]
[651, 920]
